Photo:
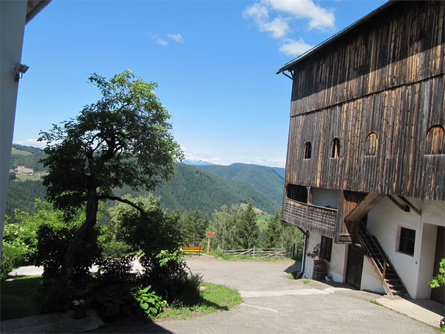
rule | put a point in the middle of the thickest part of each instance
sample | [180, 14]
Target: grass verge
[219, 254]
[18, 297]
[215, 298]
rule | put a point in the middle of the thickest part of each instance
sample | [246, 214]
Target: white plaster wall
[384, 221]
[325, 197]
[314, 239]
[426, 260]
[433, 212]
[370, 279]
[337, 265]
[12, 25]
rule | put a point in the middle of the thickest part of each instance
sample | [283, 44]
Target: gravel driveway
[275, 304]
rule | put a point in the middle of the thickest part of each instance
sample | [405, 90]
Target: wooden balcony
[310, 217]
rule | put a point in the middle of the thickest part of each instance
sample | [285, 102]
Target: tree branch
[123, 200]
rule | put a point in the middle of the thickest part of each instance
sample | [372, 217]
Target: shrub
[114, 301]
[148, 301]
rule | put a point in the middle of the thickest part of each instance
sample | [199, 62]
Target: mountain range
[203, 187]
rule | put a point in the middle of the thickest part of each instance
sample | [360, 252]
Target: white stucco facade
[12, 26]
[385, 221]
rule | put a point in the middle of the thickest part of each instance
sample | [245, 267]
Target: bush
[114, 301]
[148, 301]
[53, 241]
[115, 270]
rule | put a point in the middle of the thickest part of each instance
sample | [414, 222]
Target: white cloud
[319, 17]
[31, 142]
[294, 48]
[275, 17]
[161, 41]
[176, 37]
[278, 27]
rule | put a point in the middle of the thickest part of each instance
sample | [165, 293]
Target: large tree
[122, 139]
[248, 231]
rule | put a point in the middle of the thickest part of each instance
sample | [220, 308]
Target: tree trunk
[79, 240]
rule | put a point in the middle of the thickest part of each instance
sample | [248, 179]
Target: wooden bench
[192, 249]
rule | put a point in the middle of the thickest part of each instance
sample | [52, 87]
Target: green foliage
[194, 227]
[26, 156]
[22, 195]
[248, 231]
[439, 279]
[265, 179]
[54, 234]
[224, 224]
[20, 237]
[18, 297]
[273, 229]
[148, 301]
[122, 139]
[114, 301]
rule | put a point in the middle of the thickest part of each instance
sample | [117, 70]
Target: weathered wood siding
[308, 216]
[384, 77]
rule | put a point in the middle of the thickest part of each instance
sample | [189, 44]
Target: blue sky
[214, 62]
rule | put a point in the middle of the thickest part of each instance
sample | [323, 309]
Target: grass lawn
[215, 298]
[18, 297]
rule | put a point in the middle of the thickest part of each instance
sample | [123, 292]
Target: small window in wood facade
[407, 241]
[371, 144]
[335, 148]
[297, 193]
[326, 248]
[435, 140]
[307, 150]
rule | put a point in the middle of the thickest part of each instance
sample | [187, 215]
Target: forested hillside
[190, 188]
[267, 180]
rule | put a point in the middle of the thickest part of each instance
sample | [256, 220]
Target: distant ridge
[197, 162]
[267, 180]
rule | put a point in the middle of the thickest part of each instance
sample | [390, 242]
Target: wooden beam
[363, 207]
[401, 206]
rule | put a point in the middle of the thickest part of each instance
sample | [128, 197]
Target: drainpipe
[303, 259]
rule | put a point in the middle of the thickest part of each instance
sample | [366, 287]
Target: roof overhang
[34, 7]
[335, 37]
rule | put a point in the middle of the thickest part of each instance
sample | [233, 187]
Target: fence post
[253, 251]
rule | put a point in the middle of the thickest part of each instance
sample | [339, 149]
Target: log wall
[383, 81]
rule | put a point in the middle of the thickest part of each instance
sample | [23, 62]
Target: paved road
[275, 304]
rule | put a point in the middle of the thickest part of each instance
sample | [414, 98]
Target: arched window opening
[371, 144]
[435, 140]
[335, 153]
[307, 150]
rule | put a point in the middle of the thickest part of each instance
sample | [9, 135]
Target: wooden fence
[292, 252]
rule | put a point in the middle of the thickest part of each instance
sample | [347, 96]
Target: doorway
[354, 265]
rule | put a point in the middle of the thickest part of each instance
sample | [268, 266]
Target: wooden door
[354, 266]
[438, 294]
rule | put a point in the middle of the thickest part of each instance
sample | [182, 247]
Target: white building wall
[385, 221]
[313, 240]
[337, 265]
[426, 260]
[325, 197]
[370, 279]
[12, 26]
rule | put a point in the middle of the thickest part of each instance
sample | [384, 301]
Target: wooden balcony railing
[310, 217]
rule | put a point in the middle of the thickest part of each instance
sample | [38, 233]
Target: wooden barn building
[365, 169]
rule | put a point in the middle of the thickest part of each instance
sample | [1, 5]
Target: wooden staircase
[391, 281]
